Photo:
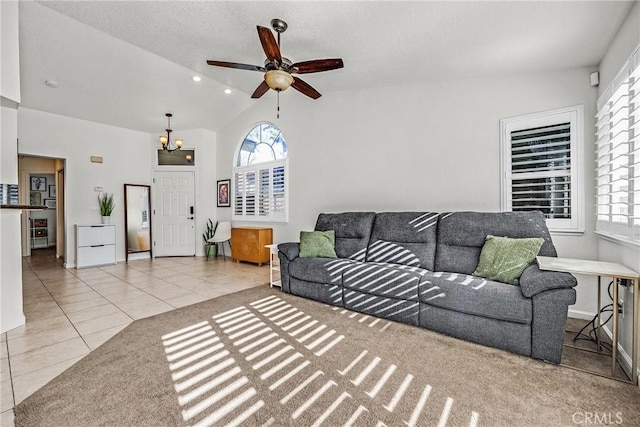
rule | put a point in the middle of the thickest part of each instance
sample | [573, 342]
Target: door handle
[190, 217]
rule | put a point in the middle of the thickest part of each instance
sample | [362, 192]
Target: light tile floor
[72, 312]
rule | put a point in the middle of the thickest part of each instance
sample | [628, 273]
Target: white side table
[274, 266]
[607, 269]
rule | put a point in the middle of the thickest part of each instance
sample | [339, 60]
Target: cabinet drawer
[89, 235]
[95, 255]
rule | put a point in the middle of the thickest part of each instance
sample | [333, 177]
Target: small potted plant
[105, 202]
[208, 234]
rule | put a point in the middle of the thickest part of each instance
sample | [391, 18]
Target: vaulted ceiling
[126, 63]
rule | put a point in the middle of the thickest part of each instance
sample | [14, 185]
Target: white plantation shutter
[8, 194]
[618, 155]
[540, 167]
[260, 192]
[260, 176]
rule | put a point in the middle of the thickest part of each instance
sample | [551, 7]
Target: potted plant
[208, 234]
[105, 202]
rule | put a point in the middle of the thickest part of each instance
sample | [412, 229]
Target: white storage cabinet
[95, 245]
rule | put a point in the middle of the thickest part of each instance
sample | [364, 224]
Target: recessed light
[196, 78]
[51, 84]
[227, 91]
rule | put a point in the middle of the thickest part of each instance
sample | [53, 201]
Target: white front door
[174, 231]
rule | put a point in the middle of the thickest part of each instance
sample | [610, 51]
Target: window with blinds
[540, 167]
[8, 194]
[260, 176]
[618, 155]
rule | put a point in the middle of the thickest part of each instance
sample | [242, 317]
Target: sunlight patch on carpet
[222, 367]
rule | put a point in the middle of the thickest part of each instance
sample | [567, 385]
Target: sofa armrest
[534, 281]
[290, 250]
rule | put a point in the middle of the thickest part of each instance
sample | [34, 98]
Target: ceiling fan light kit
[165, 140]
[278, 80]
[277, 69]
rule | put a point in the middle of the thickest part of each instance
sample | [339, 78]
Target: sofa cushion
[386, 280]
[353, 230]
[399, 310]
[329, 294]
[461, 236]
[475, 295]
[407, 238]
[504, 259]
[320, 270]
[319, 244]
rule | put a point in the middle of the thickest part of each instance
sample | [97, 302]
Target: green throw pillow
[318, 244]
[504, 259]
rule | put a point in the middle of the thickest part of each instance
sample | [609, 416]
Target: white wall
[126, 159]
[625, 42]
[11, 313]
[9, 45]
[422, 147]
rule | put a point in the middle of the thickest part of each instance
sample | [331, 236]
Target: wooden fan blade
[260, 90]
[236, 65]
[269, 44]
[301, 86]
[317, 65]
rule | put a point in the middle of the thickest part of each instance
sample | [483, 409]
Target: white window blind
[8, 194]
[618, 155]
[260, 192]
[540, 167]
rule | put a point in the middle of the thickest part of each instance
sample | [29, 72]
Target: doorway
[42, 184]
[174, 232]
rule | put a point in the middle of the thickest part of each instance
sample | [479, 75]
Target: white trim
[13, 323]
[575, 114]
[579, 314]
[618, 239]
[624, 359]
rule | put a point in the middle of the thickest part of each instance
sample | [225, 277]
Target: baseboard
[578, 314]
[12, 324]
[624, 358]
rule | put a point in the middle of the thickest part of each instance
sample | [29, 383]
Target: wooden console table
[249, 244]
[607, 269]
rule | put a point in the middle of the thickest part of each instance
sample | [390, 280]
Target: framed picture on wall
[35, 198]
[223, 193]
[52, 191]
[38, 183]
[50, 203]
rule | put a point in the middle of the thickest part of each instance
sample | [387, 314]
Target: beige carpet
[261, 357]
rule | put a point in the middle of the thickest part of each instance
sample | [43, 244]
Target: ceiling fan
[277, 69]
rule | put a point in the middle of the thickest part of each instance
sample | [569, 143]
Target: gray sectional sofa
[416, 268]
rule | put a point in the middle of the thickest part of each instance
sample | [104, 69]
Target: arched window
[260, 176]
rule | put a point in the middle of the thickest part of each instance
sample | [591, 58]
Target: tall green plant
[210, 231]
[105, 201]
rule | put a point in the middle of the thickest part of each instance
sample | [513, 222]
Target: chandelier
[166, 140]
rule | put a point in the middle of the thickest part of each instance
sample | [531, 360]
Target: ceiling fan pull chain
[278, 115]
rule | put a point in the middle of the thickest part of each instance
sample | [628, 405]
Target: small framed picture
[52, 191]
[50, 203]
[35, 198]
[223, 193]
[38, 183]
